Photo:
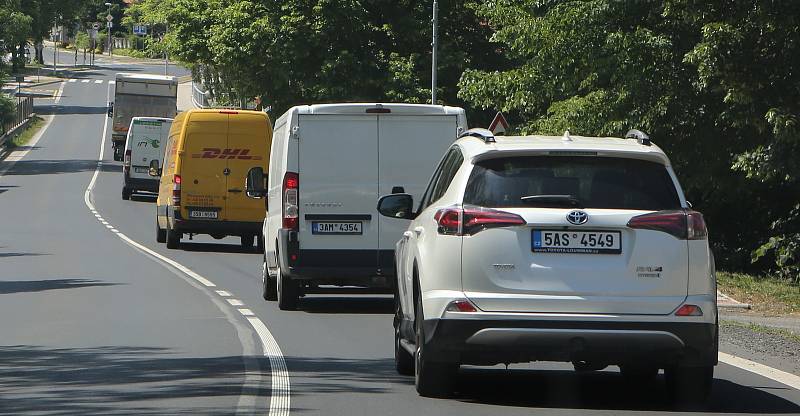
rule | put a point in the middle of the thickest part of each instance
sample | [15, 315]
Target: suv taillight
[291, 210]
[472, 220]
[126, 162]
[176, 190]
[684, 225]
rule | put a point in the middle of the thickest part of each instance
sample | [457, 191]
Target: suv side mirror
[398, 206]
[154, 169]
[254, 184]
[110, 108]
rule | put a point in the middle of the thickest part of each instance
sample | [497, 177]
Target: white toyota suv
[572, 249]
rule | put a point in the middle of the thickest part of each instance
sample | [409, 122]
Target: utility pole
[55, 44]
[435, 45]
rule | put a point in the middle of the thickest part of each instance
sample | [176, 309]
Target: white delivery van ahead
[146, 141]
[328, 165]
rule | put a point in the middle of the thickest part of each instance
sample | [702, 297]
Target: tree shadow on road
[48, 109]
[58, 166]
[120, 380]
[20, 286]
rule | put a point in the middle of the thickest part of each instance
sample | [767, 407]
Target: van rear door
[249, 138]
[409, 150]
[338, 170]
[202, 170]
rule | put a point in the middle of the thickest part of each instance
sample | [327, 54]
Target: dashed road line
[73, 80]
[280, 397]
[85, 81]
[98, 81]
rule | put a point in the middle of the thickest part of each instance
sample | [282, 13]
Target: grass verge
[763, 329]
[31, 129]
[766, 295]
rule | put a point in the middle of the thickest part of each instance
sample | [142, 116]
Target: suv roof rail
[640, 137]
[483, 134]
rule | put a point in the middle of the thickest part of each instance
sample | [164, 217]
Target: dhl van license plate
[210, 215]
[336, 228]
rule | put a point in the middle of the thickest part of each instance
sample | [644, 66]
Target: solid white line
[280, 401]
[235, 302]
[783, 377]
[280, 397]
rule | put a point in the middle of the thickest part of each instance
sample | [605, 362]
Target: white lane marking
[98, 81]
[246, 312]
[112, 82]
[235, 302]
[108, 226]
[85, 81]
[114, 230]
[280, 397]
[280, 401]
[782, 377]
[73, 80]
[223, 293]
[17, 155]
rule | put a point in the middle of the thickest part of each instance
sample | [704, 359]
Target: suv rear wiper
[569, 201]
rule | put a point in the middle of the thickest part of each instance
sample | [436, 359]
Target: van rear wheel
[247, 240]
[287, 292]
[161, 234]
[173, 238]
[126, 193]
[269, 283]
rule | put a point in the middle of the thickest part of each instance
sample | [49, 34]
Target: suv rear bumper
[488, 342]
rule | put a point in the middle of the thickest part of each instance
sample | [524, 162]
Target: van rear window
[571, 181]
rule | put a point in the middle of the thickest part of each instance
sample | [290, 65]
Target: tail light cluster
[176, 190]
[684, 225]
[472, 220]
[126, 162]
[291, 210]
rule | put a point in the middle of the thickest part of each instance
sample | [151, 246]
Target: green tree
[15, 27]
[713, 82]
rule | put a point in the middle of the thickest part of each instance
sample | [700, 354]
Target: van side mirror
[155, 170]
[254, 184]
[110, 108]
[399, 206]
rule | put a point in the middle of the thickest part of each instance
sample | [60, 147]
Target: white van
[329, 163]
[146, 141]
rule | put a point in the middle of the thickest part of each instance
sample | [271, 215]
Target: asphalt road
[90, 324]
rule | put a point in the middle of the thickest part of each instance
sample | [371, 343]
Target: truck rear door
[338, 170]
[409, 149]
[249, 138]
[202, 170]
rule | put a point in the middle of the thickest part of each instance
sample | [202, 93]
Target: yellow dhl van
[202, 189]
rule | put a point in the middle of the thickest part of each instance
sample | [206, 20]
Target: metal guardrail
[200, 98]
[24, 109]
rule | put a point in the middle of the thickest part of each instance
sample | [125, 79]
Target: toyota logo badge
[577, 217]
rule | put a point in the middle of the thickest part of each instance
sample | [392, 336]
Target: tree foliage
[714, 82]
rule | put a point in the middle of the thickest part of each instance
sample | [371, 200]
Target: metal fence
[24, 109]
[200, 98]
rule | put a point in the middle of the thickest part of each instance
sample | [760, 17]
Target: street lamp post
[108, 26]
[435, 45]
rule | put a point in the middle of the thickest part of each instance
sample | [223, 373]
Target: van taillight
[126, 162]
[684, 225]
[291, 210]
[472, 220]
[176, 190]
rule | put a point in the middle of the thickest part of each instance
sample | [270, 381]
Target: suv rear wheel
[433, 379]
[689, 386]
[403, 361]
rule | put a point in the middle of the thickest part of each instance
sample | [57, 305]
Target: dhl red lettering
[210, 153]
[230, 153]
[245, 155]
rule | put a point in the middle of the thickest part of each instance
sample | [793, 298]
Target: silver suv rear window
[571, 181]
